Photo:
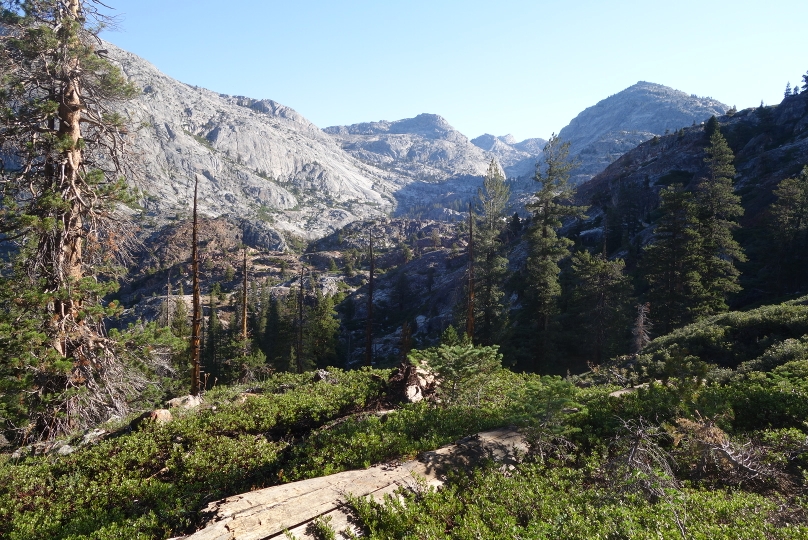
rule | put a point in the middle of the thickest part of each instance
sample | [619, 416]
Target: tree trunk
[470, 316]
[197, 315]
[369, 323]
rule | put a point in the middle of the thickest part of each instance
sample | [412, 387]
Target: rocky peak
[429, 126]
[516, 158]
[602, 133]
[255, 159]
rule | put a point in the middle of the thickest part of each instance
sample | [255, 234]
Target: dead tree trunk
[196, 324]
[369, 323]
[470, 316]
[244, 303]
[300, 325]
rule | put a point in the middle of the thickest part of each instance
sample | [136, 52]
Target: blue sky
[520, 67]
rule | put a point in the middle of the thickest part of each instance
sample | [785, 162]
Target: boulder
[185, 402]
[161, 416]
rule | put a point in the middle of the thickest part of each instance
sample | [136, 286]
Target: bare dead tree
[369, 322]
[642, 328]
[196, 324]
[470, 300]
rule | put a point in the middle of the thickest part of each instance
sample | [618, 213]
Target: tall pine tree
[61, 145]
[550, 206]
[673, 263]
[718, 208]
[599, 300]
[491, 264]
[790, 232]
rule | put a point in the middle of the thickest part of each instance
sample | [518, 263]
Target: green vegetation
[699, 433]
[577, 480]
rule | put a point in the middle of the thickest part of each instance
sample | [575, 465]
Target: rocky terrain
[770, 144]
[264, 164]
[253, 159]
[602, 133]
[515, 158]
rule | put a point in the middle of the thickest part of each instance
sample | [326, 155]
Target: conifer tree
[550, 206]
[60, 181]
[673, 263]
[213, 338]
[790, 231]
[320, 332]
[491, 264]
[599, 298]
[718, 208]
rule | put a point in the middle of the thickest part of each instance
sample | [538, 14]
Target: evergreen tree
[673, 263]
[599, 300]
[787, 92]
[790, 231]
[59, 184]
[549, 207]
[718, 207]
[213, 339]
[320, 332]
[491, 264]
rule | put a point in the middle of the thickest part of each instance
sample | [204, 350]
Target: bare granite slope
[602, 133]
[254, 159]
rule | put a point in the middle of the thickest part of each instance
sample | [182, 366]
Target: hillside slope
[256, 159]
[602, 133]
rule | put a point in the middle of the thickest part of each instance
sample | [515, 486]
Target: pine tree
[213, 338]
[790, 231]
[673, 263]
[62, 178]
[718, 207]
[550, 206]
[491, 264]
[787, 92]
[600, 294]
[320, 332]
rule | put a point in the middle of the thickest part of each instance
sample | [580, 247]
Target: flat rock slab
[267, 513]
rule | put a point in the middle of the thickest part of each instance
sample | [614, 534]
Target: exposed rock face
[253, 159]
[770, 144]
[515, 158]
[286, 510]
[604, 132]
[422, 148]
[264, 164]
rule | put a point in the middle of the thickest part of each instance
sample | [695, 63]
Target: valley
[214, 310]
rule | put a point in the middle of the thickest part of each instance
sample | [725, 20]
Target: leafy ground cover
[721, 457]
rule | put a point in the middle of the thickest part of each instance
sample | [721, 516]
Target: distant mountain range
[259, 161]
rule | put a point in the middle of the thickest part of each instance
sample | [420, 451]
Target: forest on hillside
[650, 340]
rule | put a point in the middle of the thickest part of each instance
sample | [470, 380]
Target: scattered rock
[65, 450]
[324, 375]
[161, 416]
[244, 396]
[22, 452]
[93, 436]
[185, 402]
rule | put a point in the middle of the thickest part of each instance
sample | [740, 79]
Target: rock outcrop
[515, 158]
[267, 513]
[602, 133]
[254, 159]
